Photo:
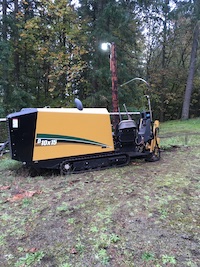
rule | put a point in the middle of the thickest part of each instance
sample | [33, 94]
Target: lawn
[180, 133]
[181, 126]
[144, 214]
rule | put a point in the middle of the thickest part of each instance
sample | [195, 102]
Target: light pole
[147, 96]
[140, 79]
[113, 69]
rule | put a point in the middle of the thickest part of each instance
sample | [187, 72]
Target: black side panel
[22, 127]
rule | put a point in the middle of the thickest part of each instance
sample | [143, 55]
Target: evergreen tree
[51, 52]
[110, 21]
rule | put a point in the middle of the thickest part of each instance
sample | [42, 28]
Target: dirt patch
[145, 214]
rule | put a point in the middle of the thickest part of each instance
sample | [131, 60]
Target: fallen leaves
[73, 251]
[22, 195]
[32, 250]
[5, 187]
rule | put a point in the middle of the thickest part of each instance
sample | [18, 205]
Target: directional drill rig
[80, 139]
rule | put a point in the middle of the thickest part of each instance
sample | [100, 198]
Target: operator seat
[126, 131]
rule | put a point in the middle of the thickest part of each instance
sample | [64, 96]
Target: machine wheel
[155, 155]
[66, 167]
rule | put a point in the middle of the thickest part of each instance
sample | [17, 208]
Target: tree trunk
[164, 56]
[5, 54]
[16, 41]
[4, 23]
[189, 86]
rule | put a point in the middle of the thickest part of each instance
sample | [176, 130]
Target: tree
[5, 54]
[168, 49]
[158, 21]
[50, 53]
[16, 73]
[110, 21]
[193, 57]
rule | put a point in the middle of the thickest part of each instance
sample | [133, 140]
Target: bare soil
[145, 214]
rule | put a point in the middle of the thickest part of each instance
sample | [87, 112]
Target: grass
[101, 222]
[142, 215]
[9, 164]
[180, 133]
[179, 126]
[30, 259]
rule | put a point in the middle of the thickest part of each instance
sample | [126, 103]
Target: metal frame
[2, 120]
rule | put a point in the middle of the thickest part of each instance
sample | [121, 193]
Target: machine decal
[53, 139]
[15, 123]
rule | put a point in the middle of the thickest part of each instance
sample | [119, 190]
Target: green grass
[178, 126]
[29, 259]
[145, 214]
[180, 133]
[8, 164]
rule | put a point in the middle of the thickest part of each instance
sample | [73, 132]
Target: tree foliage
[50, 53]
[46, 63]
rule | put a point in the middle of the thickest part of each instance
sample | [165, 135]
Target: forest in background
[50, 53]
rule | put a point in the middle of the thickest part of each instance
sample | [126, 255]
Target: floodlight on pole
[105, 46]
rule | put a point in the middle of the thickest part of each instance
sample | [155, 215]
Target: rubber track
[92, 157]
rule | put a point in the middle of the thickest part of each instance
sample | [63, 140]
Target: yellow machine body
[80, 139]
[67, 132]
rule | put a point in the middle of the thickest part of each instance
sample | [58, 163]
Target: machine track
[93, 162]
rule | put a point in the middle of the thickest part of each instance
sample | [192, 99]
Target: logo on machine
[46, 142]
[53, 139]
